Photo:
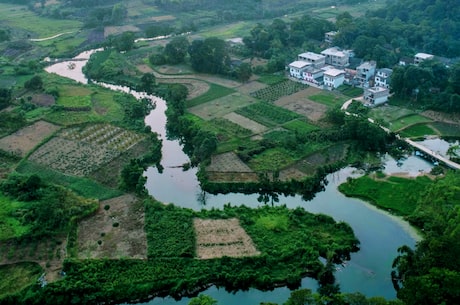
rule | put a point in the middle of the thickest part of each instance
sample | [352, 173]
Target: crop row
[267, 114]
[231, 128]
[105, 135]
[278, 90]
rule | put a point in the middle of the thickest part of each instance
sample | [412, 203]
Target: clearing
[301, 104]
[216, 238]
[25, 139]
[116, 231]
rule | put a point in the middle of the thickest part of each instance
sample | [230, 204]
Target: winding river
[380, 233]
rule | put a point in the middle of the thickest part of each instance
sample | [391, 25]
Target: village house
[313, 75]
[420, 57]
[375, 96]
[316, 60]
[297, 67]
[364, 72]
[329, 37]
[383, 78]
[333, 78]
[336, 57]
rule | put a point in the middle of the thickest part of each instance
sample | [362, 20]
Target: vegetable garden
[277, 90]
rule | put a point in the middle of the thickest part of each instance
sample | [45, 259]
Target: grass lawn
[82, 186]
[388, 113]
[399, 195]
[409, 120]
[10, 227]
[417, 131]
[350, 91]
[237, 29]
[328, 99]
[271, 79]
[15, 277]
[19, 16]
[215, 91]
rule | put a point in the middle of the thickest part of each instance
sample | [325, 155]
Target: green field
[82, 186]
[10, 227]
[15, 277]
[271, 159]
[19, 16]
[215, 91]
[446, 129]
[267, 114]
[396, 194]
[417, 131]
[409, 120]
[328, 99]
[300, 126]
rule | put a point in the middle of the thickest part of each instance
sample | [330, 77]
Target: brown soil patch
[232, 177]
[43, 100]
[453, 118]
[49, 254]
[195, 87]
[144, 68]
[251, 86]
[228, 162]
[25, 139]
[115, 30]
[100, 237]
[299, 103]
[222, 237]
[163, 18]
[246, 123]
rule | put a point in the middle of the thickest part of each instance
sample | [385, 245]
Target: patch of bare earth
[216, 238]
[195, 87]
[49, 254]
[115, 232]
[246, 123]
[250, 87]
[163, 18]
[453, 118]
[115, 30]
[299, 103]
[25, 139]
[227, 167]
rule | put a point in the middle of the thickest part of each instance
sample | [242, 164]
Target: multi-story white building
[376, 95]
[333, 78]
[336, 57]
[297, 67]
[383, 78]
[316, 60]
[364, 72]
[419, 57]
[329, 37]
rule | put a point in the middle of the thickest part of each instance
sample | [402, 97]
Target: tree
[119, 13]
[124, 42]
[244, 72]
[5, 97]
[176, 50]
[147, 83]
[202, 300]
[210, 55]
[35, 83]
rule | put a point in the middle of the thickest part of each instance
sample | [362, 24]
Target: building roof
[334, 51]
[386, 71]
[299, 64]
[424, 55]
[376, 89]
[311, 55]
[334, 72]
[367, 65]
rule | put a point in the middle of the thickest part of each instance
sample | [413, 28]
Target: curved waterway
[380, 233]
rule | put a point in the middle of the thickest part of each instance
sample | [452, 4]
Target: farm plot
[216, 238]
[267, 114]
[229, 127]
[278, 90]
[221, 106]
[25, 139]
[116, 231]
[301, 104]
[227, 167]
[246, 123]
[80, 150]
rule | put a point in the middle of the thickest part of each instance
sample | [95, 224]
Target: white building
[333, 78]
[297, 67]
[364, 72]
[419, 57]
[336, 57]
[376, 95]
[313, 75]
[316, 60]
[329, 37]
[383, 78]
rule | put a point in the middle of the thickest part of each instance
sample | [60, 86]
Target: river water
[380, 233]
